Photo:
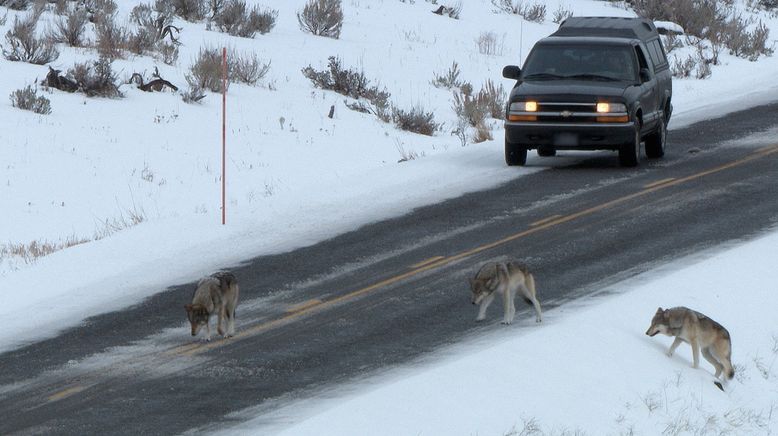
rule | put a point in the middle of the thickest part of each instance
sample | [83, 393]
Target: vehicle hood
[572, 91]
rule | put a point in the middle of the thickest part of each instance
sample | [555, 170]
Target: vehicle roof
[613, 27]
[586, 40]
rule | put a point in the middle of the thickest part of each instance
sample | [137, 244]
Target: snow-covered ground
[86, 171]
[587, 369]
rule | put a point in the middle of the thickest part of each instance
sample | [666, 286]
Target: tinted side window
[657, 54]
[641, 57]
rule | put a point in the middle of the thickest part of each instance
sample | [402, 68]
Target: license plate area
[565, 139]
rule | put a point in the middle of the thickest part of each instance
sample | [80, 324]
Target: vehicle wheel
[655, 143]
[515, 154]
[546, 151]
[629, 153]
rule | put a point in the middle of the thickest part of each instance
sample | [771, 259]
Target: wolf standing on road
[217, 292]
[701, 332]
[504, 278]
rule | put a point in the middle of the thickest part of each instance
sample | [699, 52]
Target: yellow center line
[659, 182]
[554, 221]
[304, 305]
[66, 393]
[544, 220]
[427, 262]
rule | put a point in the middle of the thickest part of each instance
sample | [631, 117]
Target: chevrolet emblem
[566, 114]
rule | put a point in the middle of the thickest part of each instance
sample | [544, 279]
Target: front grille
[570, 113]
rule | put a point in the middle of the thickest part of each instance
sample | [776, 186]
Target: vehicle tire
[515, 154]
[546, 151]
[655, 143]
[629, 153]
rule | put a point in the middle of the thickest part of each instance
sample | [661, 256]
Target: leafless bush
[23, 46]
[492, 98]
[70, 30]
[18, 5]
[416, 120]
[29, 100]
[96, 79]
[235, 18]
[190, 10]
[153, 26]
[489, 44]
[207, 71]
[467, 108]
[112, 39]
[713, 20]
[322, 18]
[535, 12]
[193, 95]
[249, 69]
[683, 68]
[561, 14]
[352, 84]
[749, 44]
[32, 251]
[449, 79]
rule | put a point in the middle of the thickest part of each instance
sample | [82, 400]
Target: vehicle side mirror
[645, 75]
[511, 72]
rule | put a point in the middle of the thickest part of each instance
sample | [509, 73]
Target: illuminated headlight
[606, 108]
[524, 106]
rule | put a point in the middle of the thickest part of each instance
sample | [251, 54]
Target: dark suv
[597, 83]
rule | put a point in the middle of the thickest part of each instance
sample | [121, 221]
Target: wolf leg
[695, 353]
[713, 361]
[221, 320]
[510, 307]
[484, 304]
[675, 345]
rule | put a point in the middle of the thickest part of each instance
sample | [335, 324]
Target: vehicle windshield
[605, 63]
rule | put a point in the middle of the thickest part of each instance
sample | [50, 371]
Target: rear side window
[657, 54]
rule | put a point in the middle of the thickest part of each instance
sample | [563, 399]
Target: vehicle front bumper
[569, 136]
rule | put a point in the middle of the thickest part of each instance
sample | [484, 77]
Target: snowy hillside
[132, 185]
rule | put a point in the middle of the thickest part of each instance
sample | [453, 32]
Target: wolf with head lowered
[702, 333]
[505, 279]
[216, 293]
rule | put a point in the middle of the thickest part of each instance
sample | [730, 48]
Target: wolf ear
[660, 310]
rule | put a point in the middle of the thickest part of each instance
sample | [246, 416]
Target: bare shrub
[235, 18]
[23, 46]
[467, 108]
[96, 79]
[193, 95]
[416, 120]
[492, 98]
[683, 68]
[207, 71]
[449, 79]
[712, 20]
[190, 10]
[112, 39]
[489, 44]
[749, 44]
[71, 29]
[153, 26]
[249, 69]
[352, 84]
[322, 18]
[561, 14]
[535, 12]
[32, 251]
[17, 5]
[29, 100]
[482, 133]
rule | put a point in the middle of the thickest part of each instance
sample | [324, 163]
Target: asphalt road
[389, 292]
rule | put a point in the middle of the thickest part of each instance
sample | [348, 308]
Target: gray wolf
[701, 332]
[504, 279]
[215, 293]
